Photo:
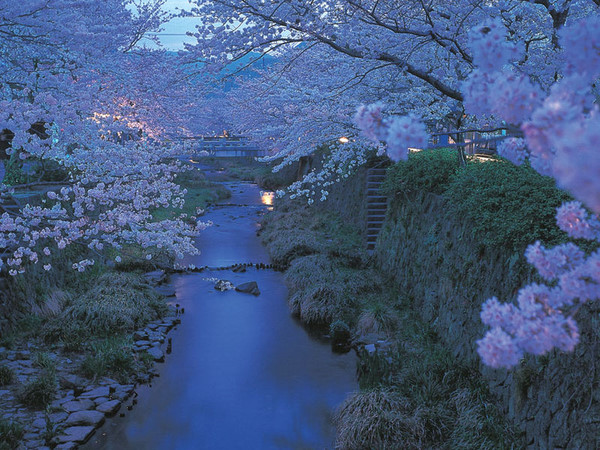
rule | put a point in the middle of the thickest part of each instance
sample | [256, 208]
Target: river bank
[74, 346]
[413, 392]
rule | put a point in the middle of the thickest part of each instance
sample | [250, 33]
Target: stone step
[375, 179]
[377, 199]
[376, 171]
[376, 207]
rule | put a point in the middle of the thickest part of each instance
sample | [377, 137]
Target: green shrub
[39, 392]
[507, 206]
[10, 434]
[118, 302]
[44, 361]
[425, 171]
[112, 357]
[7, 375]
[378, 419]
[71, 334]
[323, 289]
[377, 317]
[303, 231]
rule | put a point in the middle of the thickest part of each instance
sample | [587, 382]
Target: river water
[243, 374]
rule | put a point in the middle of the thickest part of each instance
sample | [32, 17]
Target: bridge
[221, 146]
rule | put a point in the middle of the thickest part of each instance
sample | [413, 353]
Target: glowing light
[344, 140]
[267, 198]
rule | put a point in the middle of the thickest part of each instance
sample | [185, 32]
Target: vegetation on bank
[248, 169]
[200, 193]
[507, 205]
[11, 433]
[87, 317]
[414, 394]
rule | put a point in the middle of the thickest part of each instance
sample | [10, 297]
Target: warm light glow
[344, 140]
[267, 198]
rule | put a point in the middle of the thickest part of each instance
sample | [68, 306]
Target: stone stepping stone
[78, 405]
[89, 417]
[109, 408]
[79, 434]
[102, 391]
[157, 354]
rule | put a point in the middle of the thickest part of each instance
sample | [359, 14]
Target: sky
[173, 35]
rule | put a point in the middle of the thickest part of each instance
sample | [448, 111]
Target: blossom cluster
[399, 133]
[561, 133]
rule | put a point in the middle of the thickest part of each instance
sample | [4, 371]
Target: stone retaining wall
[447, 274]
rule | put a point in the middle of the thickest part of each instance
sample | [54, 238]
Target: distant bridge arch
[221, 146]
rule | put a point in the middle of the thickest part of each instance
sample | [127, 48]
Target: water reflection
[267, 198]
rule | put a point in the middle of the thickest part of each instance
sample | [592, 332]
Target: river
[243, 373]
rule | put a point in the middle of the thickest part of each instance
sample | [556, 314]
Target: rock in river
[223, 285]
[249, 288]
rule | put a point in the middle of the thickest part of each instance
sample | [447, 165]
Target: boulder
[72, 382]
[140, 335]
[65, 446]
[223, 285]
[249, 288]
[102, 391]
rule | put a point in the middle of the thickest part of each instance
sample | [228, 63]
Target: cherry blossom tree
[559, 135]
[104, 101]
[532, 65]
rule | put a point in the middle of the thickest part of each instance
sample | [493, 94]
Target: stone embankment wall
[348, 199]
[447, 274]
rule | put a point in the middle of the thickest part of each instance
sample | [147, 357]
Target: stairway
[376, 205]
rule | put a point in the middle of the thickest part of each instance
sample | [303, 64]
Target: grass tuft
[7, 375]
[324, 289]
[377, 318]
[39, 392]
[10, 434]
[110, 357]
[119, 302]
[378, 419]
